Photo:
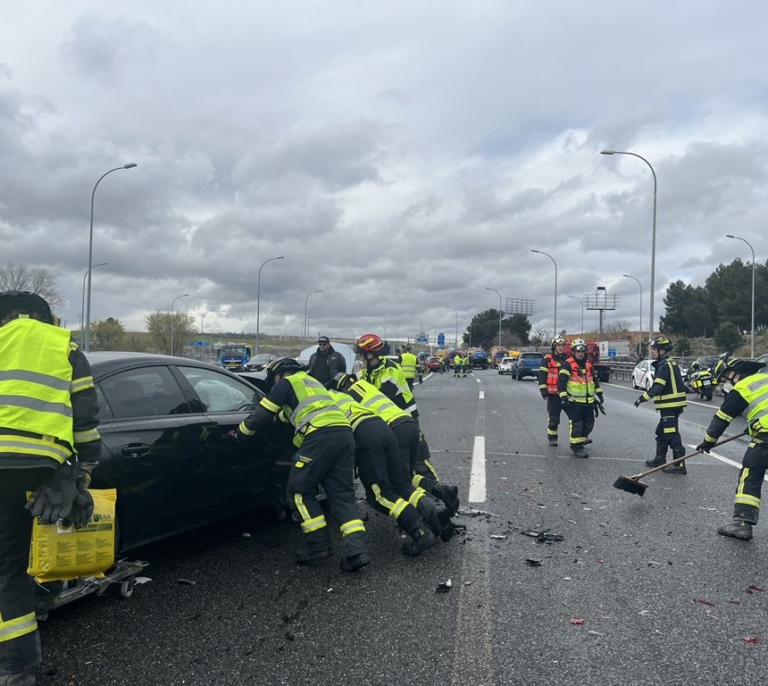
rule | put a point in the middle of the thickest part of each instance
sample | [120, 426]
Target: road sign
[441, 339]
[422, 339]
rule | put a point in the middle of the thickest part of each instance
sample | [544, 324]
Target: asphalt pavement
[556, 577]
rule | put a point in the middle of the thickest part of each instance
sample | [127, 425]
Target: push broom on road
[631, 484]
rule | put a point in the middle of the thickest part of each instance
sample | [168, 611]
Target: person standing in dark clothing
[549, 376]
[325, 362]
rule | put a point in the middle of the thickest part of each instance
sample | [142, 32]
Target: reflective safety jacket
[668, 390]
[408, 365]
[750, 394]
[48, 404]
[549, 373]
[389, 379]
[369, 396]
[355, 412]
[301, 400]
[577, 382]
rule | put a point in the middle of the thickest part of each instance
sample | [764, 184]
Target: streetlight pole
[457, 323]
[653, 236]
[305, 333]
[82, 308]
[501, 314]
[541, 252]
[314, 309]
[752, 338]
[87, 337]
[202, 318]
[421, 324]
[258, 297]
[470, 330]
[172, 304]
[640, 324]
[581, 302]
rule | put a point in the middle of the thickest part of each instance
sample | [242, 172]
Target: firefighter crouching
[549, 375]
[750, 395]
[326, 456]
[668, 393]
[48, 442]
[579, 389]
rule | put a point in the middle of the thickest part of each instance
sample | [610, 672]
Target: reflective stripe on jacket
[408, 365]
[551, 367]
[389, 379]
[580, 387]
[355, 412]
[35, 390]
[315, 409]
[667, 390]
[754, 389]
[369, 396]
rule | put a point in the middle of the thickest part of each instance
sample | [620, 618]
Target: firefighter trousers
[326, 458]
[414, 452]
[581, 421]
[554, 406]
[746, 506]
[19, 637]
[383, 473]
[668, 432]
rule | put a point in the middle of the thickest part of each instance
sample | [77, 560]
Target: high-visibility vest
[754, 389]
[581, 381]
[372, 398]
[391, 372]
[355, 411]
[35, 389]
[553, 372]
[408, 365]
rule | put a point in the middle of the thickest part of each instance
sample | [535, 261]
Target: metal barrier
[621, 371]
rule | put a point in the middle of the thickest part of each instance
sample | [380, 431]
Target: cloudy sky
[401, 156]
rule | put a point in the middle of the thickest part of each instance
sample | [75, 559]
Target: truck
[234, 357]
[614, 349]
[602, 370]
[497, 354]
[479, 359]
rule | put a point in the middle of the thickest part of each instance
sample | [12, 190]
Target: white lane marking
[727, 460]
[477, 475]
[482, 395]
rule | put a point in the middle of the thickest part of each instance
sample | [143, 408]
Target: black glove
[545, 395]
[596, 408]
[599, 397]
[640, 401]
[54, 499]
[705, 446]
[82, 508]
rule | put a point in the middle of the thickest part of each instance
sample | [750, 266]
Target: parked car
[643, 375]
[527, 364]
[708, 361]
[505, 366]
[163, 422]
[259, 362]
[763, 359]
[434, 364]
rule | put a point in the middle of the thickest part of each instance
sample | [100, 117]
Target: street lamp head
[130, 165]
[607, 152]
[538, 251]
[730, 235]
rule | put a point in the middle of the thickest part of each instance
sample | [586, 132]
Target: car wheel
[634, 383]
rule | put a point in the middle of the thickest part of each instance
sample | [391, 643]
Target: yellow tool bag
[60, 553]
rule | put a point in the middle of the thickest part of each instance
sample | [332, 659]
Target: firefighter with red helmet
[668, 393]
[549, 375]
[579, 390]
[326, 454]
[49, 442]
[387, 377]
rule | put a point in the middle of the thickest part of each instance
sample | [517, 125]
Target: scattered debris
[476, 513]
[142, 580]
[653, 563]
[567, 578]
[532, 562]
[444, 587]
[329, 590]
[186, 582]
[577, 621]
[467, 583]
[542, 535]
[246, 535]
[595, 633]
[753, 641]
[498, 537]
[752, 588]
[644, 613]
[735, 602]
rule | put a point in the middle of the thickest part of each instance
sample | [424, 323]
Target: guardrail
[621, 371]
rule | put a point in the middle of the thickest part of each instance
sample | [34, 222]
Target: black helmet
[340, 381]
[662, 343]
[281, 366]
[736, 365]
[557, 340]
[24, 302]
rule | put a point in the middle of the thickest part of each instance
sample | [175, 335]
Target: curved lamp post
[305, 333]
[87, 337]
[258, 297]
[640, 325]
[172, 304]
[653, 236]
[82, 308]
[309, 316]
[541, 252]
[202, 319]
[421, 324]
[469, 345]
[501, 314]
[457, 323]
[581, 302]
[752, 337]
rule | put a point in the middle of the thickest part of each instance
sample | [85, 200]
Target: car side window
[150, 391]
[219, 392]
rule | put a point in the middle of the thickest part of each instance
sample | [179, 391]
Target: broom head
[630, 485]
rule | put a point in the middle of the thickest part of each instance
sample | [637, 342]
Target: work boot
[315, 548]
[449, 495]
[588, 441]
[580, 452]
[675, 468]
[20, 679]
[660, 459]
[738, 528]
[421, 539]
[552, 440]
[355, 562]
[437, 516]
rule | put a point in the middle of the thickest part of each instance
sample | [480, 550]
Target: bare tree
[20, 277]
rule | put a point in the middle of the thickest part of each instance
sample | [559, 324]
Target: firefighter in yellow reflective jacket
[579, 389]
[749, 394]
[48, 442]
[387, 377]
[407, 437]
[458, 364]
[668, 393]
[408, 364]
[326, 456]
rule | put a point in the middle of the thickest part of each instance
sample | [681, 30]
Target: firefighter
[549, 374]
[387, 377]
[749, 393]
[49, 442]
[456, 364]
[408, 364]
[326, 456]
[668, 393]
[465, 364]
[579, 389]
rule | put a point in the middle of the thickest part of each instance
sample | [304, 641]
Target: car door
[156, 454]
[245, 473]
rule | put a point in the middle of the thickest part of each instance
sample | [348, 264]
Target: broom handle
[685, 457]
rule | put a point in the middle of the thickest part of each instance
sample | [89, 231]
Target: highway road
[638, 591]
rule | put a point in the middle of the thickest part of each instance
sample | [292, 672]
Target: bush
[683, 347]
[728, 336]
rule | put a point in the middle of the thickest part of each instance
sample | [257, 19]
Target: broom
[631, 484]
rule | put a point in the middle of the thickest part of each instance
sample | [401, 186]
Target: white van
[505, 366]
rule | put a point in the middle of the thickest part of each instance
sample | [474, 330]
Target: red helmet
[369, 343]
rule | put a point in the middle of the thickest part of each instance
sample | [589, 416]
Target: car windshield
[531, 355]
[262, 358]
[232, 351]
